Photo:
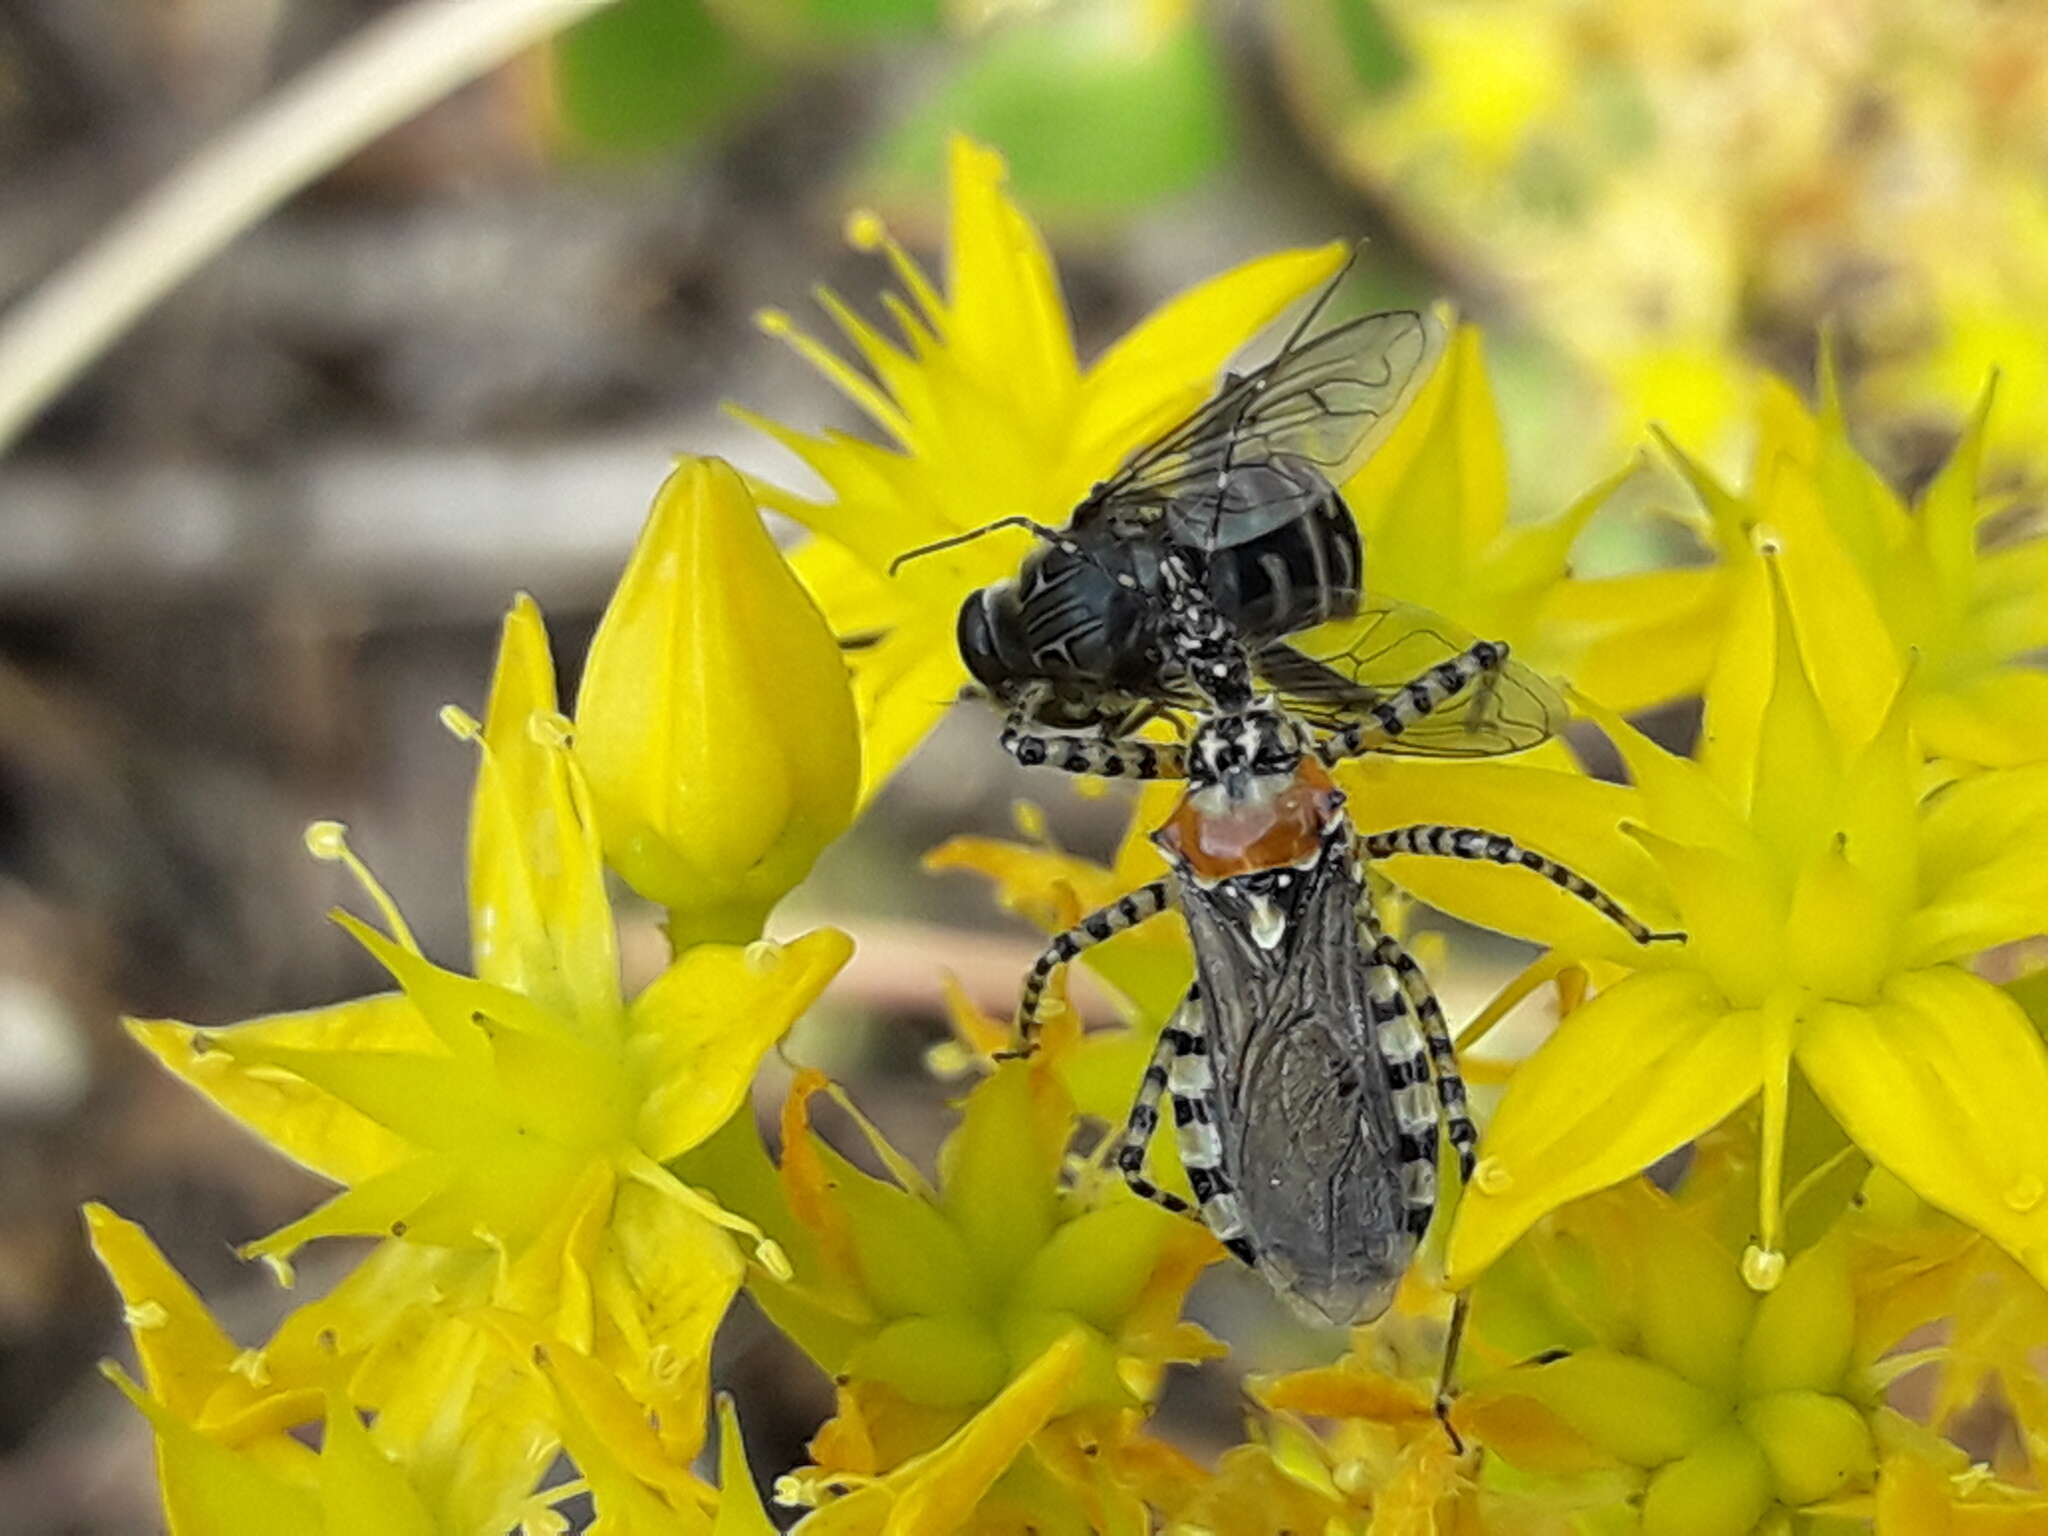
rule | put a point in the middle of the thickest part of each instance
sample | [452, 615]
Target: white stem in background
[396, 66]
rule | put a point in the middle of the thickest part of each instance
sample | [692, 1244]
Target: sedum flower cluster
[1758, 1236]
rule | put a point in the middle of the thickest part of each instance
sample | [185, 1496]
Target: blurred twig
[390, 70]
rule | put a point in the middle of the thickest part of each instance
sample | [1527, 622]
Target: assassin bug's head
[1257, 801]
[1245, 754]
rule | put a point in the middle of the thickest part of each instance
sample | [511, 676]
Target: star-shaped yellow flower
[1831, 901]
[506, 1133]
[934, 1308]
[988, 414]
[1873, 583]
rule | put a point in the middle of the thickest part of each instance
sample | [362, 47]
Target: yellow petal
[307, 1124]
[935, 1494]
[1798, 763]
[540, 923]
[1949, 508]
[715, 721]
[662, 1285]
[1942, 1083]
[1982, 880]
[465, 1416]
[1643, 1068]
[184, 1353]
[210, 1490]
[739, 1502]
[1446, 454]
[1004, 311]
[999, 1170]
[1166, 365]
[361, 1489]
[1999, 719]
[1567, 816]
[1642, 639]
[634, 1480]
[698, 1031]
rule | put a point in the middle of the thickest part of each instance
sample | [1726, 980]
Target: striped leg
[1193, 1087]
[1144, 1117]
[1405, 705]
[1432, 841]
[1128, 757]
[1407, 1071]
[1443, 1057]
[1180, 1069]
[1457, 1118]
[1126, 912]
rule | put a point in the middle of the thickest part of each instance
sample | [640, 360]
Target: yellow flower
[1830, 905]
[1915, 1268]
[714, 721]
[506, 1134]
[1873, 585]
[1659, 1358]
[227, 1463]
[988, 415]
[229, 1467]
[932, 1307]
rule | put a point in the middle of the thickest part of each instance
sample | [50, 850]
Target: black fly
[1249, 484]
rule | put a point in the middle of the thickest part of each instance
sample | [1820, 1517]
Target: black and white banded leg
[1449, 1101]
[1449, 1096]
[1179, 1071]
[1430, 840]
[1405, 1062]
[1129, 757]
[1146, 901]
[1415, 700]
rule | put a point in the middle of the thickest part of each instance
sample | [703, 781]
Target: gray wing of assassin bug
[1322, 1162]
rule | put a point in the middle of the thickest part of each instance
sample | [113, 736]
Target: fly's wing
[1273, 442]
[1303, 1112]
[1331, 676]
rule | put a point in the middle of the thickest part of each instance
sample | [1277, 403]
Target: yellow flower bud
[1721, 1489]
[1817, 1445]
[1634, 1411]
[715, 722]
[1804, 1328]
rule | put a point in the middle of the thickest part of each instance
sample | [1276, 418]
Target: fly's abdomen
[1305, 572]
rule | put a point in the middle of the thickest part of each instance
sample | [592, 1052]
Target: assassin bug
[1310, 1066]
[1076, 638]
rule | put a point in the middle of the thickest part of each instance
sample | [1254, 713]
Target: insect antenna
[1322, 299]
[969, 537]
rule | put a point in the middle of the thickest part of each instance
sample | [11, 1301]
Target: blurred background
[251, 550]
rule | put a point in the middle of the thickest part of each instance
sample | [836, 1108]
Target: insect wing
[1272, 443]
[1332, 675]
[1304, 1114]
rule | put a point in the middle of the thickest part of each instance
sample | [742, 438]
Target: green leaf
[646, 75]
[1097, 112]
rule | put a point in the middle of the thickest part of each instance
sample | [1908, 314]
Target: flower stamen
[327, 841]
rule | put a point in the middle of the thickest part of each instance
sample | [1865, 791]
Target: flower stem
[391, 69]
